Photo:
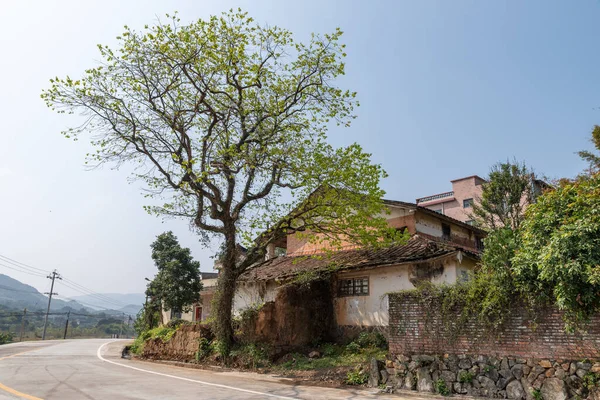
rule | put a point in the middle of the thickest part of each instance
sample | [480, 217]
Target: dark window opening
[175, 314]
[354, 287]
[467, 203]
[439, 211]
[446, 231]
[479, 243]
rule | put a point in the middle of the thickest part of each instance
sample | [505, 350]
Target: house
[441, 249]
[458, 203]
[200, 311]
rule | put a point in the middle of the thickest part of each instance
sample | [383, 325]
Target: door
[198, 314]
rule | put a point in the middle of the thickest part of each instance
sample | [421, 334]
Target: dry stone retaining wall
[505, 377]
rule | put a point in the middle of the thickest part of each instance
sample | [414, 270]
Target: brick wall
[416, 329]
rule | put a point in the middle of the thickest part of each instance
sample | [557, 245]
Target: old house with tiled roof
[440, 250]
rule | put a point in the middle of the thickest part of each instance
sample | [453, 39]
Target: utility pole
[67, 324]
[52, 276]
[121, 329]
[23, 324]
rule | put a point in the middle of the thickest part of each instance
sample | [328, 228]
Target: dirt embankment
[181, 347]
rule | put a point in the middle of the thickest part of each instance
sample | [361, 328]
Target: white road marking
[99, 354]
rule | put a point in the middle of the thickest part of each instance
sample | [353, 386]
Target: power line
[94, 296]
[22, 270]
[91, 292]
[31, 270]
[22, 265]
[92, 305]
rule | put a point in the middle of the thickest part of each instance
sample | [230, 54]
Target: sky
[447, 88]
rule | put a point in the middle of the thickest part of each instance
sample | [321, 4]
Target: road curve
[93, 369]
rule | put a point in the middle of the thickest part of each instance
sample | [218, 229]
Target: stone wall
[418, 329]
[523, 360]
[505, 377]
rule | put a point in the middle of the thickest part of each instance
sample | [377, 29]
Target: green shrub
[372, 339]
[6, 337]
[251, 355]
[465, 377]
[441, 388]
[353, 348]
[330, 350]
[175, 323]
[204, 349]
[356, 377]
[590, 380]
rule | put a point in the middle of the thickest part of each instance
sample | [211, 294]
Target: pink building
[458, 203]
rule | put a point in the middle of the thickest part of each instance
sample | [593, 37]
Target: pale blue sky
[447, 88]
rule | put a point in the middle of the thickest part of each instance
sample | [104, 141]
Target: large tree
[559, 258]
[226, 121]
[177, 284]
[507, 192]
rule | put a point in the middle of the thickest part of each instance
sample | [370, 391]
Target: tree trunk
[224, 297]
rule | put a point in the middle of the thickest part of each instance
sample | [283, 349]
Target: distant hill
[129, 303]
[17, 295]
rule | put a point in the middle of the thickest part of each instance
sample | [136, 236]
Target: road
[93, 369]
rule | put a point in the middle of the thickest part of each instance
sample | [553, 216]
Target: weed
[204, 349]
[372, 339]
[441, 388]
[356, 377]
[537, 394]
[353, 348]
[590, 380]
[465, 377]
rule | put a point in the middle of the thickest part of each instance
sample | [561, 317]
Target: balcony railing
[435, 197]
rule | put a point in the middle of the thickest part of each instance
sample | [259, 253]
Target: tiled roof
[416, 249]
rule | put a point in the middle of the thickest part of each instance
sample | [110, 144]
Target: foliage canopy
[225, 121]
[177, 284]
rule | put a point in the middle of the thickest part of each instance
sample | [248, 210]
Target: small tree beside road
[177, 284]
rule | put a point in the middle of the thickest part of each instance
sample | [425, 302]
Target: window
[439, 211]
[175, 314]
[446, 231]
[463, 276]
[280, 251]
[354, 287]
[467, 203]
[470, 222]
[479, 243]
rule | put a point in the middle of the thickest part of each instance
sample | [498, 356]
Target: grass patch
[164, 333]
[333, 356]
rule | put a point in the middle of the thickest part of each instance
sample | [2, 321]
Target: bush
[176, 323]
[356, 377]
[251, 355]
[441, 388]
[465, 377]
[6, 337]
[204, 348]
[353, 348]
[372, 339]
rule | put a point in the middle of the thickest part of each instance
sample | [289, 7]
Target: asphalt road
[93, 369]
